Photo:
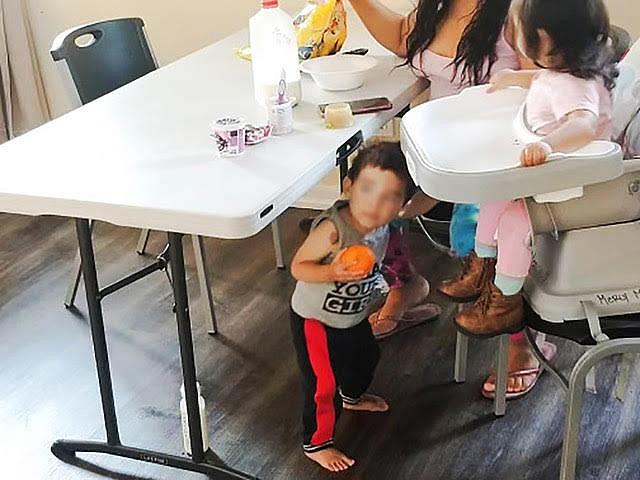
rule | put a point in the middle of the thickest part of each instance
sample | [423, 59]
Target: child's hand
[501, 80]
[341, 272]
[535, 154]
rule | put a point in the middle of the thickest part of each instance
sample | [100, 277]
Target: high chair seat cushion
[466, 149]
[613, 202]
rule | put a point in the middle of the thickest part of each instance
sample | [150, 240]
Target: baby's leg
[356, 362]
[488, 221]
[514, 248]
[322, 404]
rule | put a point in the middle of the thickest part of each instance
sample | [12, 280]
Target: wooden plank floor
[435, 429]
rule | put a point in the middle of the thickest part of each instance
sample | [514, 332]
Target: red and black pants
[336, 365]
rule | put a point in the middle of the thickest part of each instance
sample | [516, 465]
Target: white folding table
[142, 157]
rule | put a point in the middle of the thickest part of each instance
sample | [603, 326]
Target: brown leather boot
[493, 314]
[468, 286]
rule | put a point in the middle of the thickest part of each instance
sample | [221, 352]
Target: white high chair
[585, 283]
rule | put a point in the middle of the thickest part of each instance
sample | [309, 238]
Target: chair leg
[576, 397]
[624, 373]
[72, 289]
[572, 424]
[275, 230]
[556, 373]
[590, 381]
[460, 367]
[462, 352]
[502, 366]
[142, 242]
[204, 279]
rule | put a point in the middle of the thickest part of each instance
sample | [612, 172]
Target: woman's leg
[521, 359]
[407, 289]
[462, 233]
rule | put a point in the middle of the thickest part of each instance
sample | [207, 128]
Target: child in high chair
[336, 350]
[569, 105]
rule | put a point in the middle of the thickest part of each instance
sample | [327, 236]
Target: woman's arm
[511, 78]
[321, 242]
[389, 28]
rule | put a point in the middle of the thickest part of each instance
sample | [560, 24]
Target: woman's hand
[535, 154]
[341, 272]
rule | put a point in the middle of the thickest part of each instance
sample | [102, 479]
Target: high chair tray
[466, 149]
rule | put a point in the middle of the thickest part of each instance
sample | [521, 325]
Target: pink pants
[507, 226]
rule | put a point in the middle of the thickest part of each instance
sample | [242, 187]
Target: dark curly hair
[476, 51]
[579, 30]
[386, 156]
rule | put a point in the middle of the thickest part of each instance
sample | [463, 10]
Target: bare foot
[368, 403]
[520, 358]
[331, 459]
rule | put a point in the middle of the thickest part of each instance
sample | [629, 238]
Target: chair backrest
[620, 42]
[626, 98]
[104, 56]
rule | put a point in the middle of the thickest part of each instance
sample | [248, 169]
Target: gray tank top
[341, 305]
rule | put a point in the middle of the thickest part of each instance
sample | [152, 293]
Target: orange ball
[361, 257]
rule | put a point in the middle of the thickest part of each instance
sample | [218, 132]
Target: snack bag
[321, 28]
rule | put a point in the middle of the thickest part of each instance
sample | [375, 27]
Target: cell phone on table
[368, 105]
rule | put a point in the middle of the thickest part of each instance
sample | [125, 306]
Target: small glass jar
[338, 115]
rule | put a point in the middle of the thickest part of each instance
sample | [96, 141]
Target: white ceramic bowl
[338, 72]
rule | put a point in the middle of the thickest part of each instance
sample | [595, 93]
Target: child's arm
[511, 78]
[321, 242]
[579, 129]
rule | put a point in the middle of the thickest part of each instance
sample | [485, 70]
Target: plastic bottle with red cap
[274, 48]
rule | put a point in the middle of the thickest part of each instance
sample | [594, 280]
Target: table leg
[277, 244]
[176, 258]
[66, 450]
[204, 279]
[72, 290]
[142, 242]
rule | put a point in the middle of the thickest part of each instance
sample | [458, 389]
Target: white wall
[177, 28]
[626, 13]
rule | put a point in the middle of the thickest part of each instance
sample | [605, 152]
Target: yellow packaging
[321, 28]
